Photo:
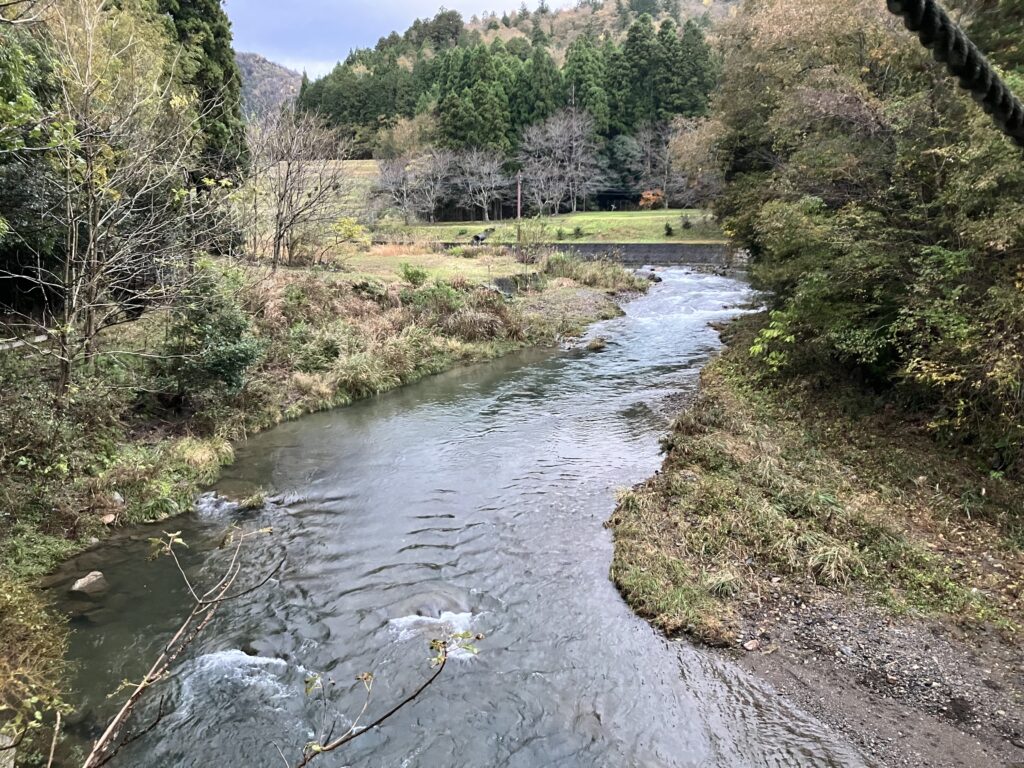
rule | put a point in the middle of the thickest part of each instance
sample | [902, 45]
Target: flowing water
[473, 500]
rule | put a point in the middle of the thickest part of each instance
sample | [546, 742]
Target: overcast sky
[315, 34]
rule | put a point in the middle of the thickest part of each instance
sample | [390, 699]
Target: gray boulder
[91, 584]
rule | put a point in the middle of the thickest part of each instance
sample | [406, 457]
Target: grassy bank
[153, 419]
[801, 492]
[674, 226]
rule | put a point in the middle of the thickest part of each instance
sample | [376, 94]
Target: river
[475, 500]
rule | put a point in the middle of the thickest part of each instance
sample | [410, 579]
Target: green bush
[209, 344]
[669, 229]
[414, 276]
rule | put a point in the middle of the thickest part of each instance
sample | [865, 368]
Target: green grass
[602, 227]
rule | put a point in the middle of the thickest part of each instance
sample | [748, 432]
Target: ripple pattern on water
[475, 500]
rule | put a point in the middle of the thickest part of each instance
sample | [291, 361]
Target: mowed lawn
[600, 227]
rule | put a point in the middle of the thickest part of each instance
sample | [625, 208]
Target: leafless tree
[697, 177]
[21, 11]
[432, 176]
[657, 173]
[117, 177]
[559, 160]
[298, 184]
[481, 179]
[396, 184]
[582, 171]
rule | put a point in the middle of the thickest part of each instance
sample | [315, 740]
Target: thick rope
[952, 47]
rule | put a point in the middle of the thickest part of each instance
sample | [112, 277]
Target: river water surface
[473, 500]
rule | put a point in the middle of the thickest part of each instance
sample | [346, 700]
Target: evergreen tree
[673, 73]
[492, 121]
[640, 53]
[203, 30]
[538, 89]
[700, 68]
[641, 7]
[456, 119]
[617, 88]
[584, 76]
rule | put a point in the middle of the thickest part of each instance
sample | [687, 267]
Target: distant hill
[599, 19]
[265, 85]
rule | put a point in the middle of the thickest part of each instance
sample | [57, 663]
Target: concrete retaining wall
[658, 254]
[654, 254]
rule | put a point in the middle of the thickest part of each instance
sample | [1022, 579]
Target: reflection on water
[475, 501]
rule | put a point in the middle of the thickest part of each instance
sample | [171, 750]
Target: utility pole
[519, 215]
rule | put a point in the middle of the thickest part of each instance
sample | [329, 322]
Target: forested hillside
[266, 86]
[884, 210]
[442, 83]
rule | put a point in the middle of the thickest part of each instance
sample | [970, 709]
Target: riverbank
[135, 446]
[831, 545]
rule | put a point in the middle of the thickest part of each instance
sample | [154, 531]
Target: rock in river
[93, 583]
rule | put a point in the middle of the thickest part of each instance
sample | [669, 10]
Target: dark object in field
[481, 236]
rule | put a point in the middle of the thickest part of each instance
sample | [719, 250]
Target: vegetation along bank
[840, 507]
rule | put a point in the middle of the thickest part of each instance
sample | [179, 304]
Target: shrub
[577, 232]
[595, 274]
[651, 199]
[32, 644]
[560, 234]
[669, 229]
[439, 299]
[414, 276]
[209, 344]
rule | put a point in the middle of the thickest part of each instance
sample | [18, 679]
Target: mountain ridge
[266, 85]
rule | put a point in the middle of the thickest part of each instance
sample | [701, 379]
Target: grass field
[600, 227]
[479, 265]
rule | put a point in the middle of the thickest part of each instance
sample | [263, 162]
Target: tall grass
[604, 274]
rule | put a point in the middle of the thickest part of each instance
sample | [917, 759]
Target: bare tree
[697, 179]
[117, 179]
[298, 184]
[432, 176]
[559, 160]
[21, 11]
[396, 183]
[481, 179]
[582, 172]
[654, 140]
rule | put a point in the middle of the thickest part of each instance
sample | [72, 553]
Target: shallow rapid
[475, 500]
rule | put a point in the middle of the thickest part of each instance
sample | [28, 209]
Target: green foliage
[209, 343]
[209, 67]
[485, 96]
[32, 645]
[414, 276]
[886, 225]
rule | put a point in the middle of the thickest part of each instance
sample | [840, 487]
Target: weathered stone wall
[658, 254]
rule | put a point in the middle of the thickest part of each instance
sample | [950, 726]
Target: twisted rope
[952, 47]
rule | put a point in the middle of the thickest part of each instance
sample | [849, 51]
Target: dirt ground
[908, 693]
